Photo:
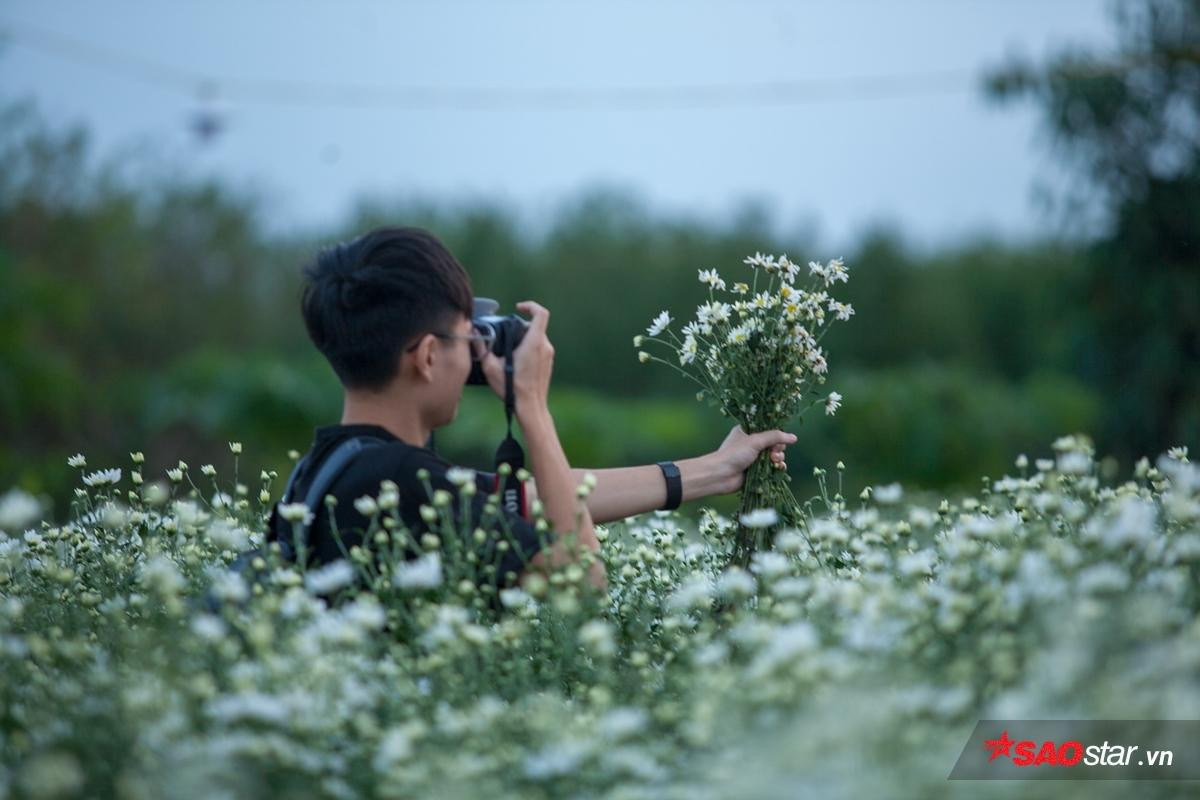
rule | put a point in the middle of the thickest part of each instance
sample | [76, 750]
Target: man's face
[459, 355]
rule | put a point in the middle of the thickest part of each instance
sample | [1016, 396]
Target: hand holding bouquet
[758, 358]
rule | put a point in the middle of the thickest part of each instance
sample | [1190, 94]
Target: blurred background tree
[145, 310]
[1129, 123]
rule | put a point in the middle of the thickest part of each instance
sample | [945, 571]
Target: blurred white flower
[759, 518]
[597, 636]
[460, 476]
[421, 573]
[18, 509]
[888, 494]
[693, 593]
[769, 565]
[228, 535]
[329, 578]
[1073, 463]
[735, 582]
[77, 460]
[1102, 578]
[395, 747]
[295, 512]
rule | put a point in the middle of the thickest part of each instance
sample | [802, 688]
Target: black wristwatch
[674, 484]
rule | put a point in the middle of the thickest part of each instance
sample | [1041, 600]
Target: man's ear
[421, 359]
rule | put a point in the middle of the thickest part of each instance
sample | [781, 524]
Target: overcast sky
[314, 114]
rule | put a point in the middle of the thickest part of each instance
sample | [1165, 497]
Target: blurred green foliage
[140, 310]
[1127, 121]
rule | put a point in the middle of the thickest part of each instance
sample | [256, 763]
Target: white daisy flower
[688, 353]
[660, 324]
[843, 311]
[77, 460]
[757, 260]
[789, 269]
[837, 271]
[833, 403]
[711, 277]
[104, 477]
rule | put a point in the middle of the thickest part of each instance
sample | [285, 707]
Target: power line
[422, 98]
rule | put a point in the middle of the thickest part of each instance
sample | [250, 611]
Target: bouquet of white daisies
[759, 359]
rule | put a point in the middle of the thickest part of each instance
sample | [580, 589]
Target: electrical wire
[253, 91]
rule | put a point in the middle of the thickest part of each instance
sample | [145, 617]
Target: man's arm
[563, 509]
[622, 492]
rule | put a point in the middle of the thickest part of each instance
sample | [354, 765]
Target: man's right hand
[533, 362]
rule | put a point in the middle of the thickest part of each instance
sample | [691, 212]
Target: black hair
[368, 298]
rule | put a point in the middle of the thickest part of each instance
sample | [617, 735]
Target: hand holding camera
[533, 355]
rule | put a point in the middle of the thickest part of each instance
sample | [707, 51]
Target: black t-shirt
[399, 461]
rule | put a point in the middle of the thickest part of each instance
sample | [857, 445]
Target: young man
[392, 311]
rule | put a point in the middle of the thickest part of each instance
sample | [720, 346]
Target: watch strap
[674, 484]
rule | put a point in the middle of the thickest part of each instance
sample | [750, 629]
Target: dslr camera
[504, 333]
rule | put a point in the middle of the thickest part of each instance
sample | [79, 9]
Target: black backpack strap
[331, 468]
[296, 470]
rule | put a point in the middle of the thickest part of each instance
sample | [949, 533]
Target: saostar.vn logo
[1029, 753]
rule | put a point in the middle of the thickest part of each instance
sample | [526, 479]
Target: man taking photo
[392, 312]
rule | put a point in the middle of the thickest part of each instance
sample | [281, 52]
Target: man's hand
[533, 361]
[738, 451]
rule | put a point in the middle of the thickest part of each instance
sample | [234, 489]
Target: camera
[506, 333]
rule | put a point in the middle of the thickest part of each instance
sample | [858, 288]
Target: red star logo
[1001, 746]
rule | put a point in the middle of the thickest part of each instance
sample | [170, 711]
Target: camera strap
[511, 490]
